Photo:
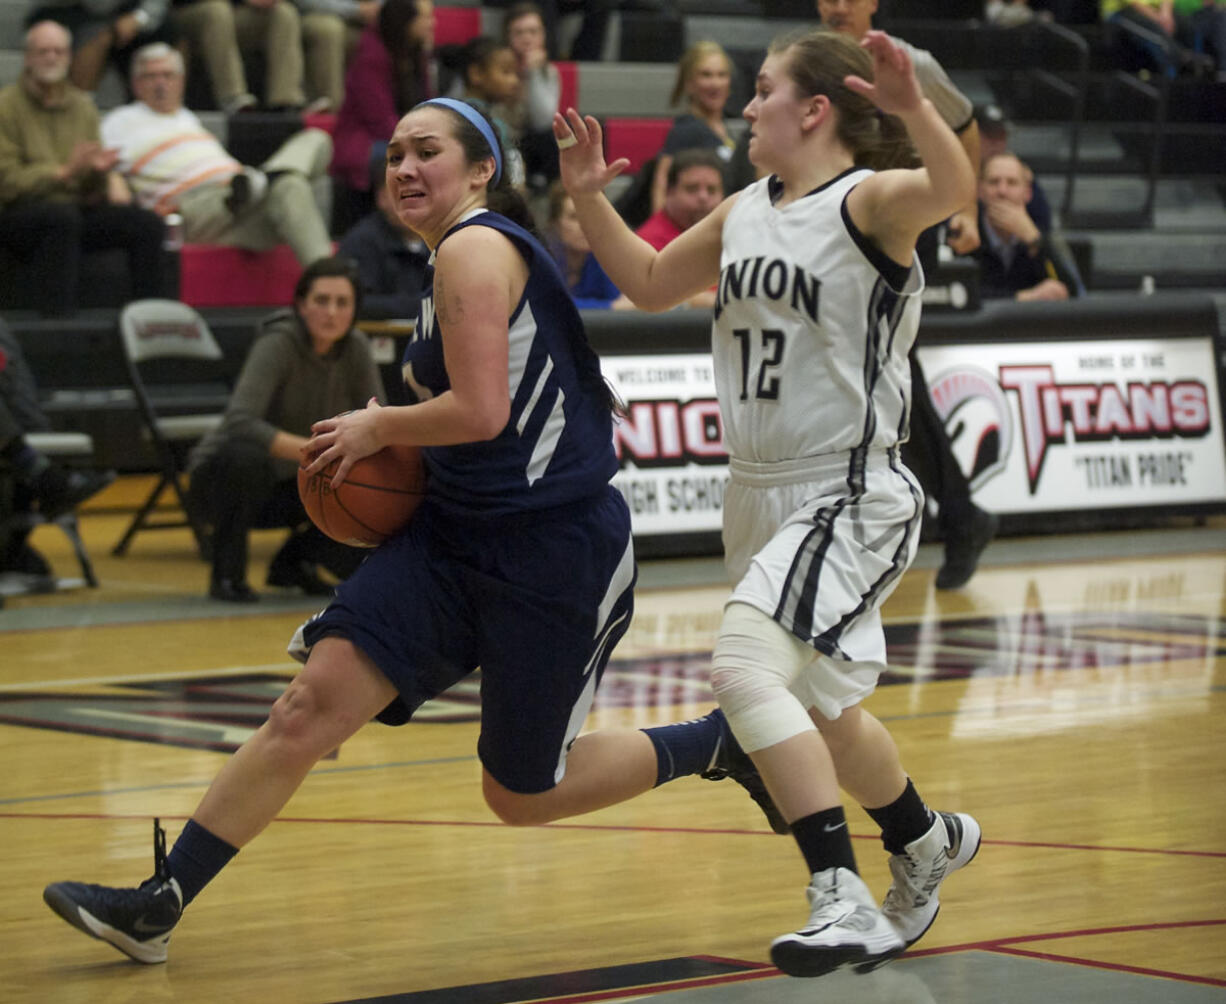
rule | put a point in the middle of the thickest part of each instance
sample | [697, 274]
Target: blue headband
[477, 119]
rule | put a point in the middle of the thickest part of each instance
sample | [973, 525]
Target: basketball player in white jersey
[817, 307]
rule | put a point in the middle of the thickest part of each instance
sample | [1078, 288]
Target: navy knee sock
[196, 858]
[686, 747]
[904, 820]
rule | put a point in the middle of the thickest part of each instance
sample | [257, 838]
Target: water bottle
[173, 240]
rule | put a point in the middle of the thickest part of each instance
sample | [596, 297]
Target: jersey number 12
[767, 384]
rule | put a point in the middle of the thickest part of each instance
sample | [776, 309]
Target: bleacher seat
[320, 120]
[568, 78]
[637, 139]
[212, 275]
[456, 25]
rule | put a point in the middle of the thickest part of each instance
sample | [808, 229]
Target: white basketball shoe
[911, 905]
[845, 928]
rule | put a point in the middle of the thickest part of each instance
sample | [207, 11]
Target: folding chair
[67, 445]
[177, 373]
[62, 446]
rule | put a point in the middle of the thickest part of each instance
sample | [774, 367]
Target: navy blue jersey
[557, 446]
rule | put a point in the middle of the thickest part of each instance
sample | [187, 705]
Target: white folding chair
[177, 373]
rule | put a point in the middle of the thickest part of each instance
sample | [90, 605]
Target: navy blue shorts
[537, 601]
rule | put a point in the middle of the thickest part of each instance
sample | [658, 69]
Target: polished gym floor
[1071, 697]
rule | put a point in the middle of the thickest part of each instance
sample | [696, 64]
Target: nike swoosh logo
[145, 928]
[831, 829]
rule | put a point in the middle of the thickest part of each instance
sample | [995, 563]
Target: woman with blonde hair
[704, 82]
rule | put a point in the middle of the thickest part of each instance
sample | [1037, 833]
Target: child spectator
[523, 29]
[486, 76]
[586, 281]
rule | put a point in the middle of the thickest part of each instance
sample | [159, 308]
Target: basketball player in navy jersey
[519, 559]
[816, 309]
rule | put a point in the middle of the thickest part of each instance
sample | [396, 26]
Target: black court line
[606, 983]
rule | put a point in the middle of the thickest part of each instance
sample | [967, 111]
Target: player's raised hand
[581, 154]
[894, 88]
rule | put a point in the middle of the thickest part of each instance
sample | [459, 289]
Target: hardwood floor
[1071, 697]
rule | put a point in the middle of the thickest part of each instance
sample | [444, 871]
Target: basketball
[378, 497]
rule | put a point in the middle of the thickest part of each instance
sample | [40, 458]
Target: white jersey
[812, 328]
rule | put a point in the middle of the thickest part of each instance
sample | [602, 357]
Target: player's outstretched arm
[653, 281]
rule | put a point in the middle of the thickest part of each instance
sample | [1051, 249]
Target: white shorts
[818, 545]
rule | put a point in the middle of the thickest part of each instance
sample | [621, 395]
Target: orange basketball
[378, 497]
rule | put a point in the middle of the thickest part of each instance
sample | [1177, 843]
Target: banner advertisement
[1062, 426]
[673, 465]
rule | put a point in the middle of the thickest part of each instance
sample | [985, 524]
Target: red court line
[1005, 946]
[1102, 847]
[1113, 966]
[358, 821]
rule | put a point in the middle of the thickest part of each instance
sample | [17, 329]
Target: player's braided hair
[817, 62]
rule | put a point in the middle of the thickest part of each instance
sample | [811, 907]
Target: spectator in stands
[1008, 13]
[29, 481]
[1151, 34]
[586, 281]
[531, 118]
[695, 187]
[104, 32]
[390, 72]
[391, 259]
[60, 194]
[704, 80]
[1205, 29]
[588, 45]
[305, 364]
[1016, 258]
[175, 165]
[487, 77]
[965, 528]
[330, 32]
[221, 33]
[993, 140]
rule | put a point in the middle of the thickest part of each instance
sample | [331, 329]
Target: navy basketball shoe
[136, 921]
[729, 760]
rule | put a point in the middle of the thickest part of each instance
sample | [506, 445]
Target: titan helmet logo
[975, 409]
[977, 419]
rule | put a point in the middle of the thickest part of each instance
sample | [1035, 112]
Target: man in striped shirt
[175, 165]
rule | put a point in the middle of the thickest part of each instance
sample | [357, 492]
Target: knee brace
[754, 664]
